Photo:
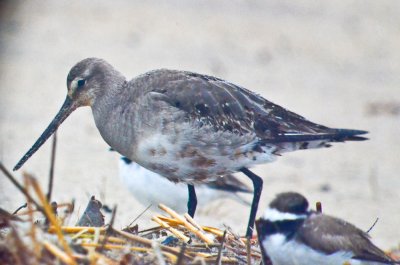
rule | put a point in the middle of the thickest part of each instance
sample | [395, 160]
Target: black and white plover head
[290, 234]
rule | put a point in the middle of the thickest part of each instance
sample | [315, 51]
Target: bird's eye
[81, 83]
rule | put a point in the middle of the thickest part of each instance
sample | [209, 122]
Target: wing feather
[329, 235]
[228, 107]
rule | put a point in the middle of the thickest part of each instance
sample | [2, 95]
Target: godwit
[188, 127]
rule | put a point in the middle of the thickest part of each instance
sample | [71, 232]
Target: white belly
[290, 252]
[150, 188]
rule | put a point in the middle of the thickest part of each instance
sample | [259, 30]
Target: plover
[150, 188]
[290, 234]
[188, 127]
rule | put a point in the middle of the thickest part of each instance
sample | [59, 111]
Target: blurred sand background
[336, 63]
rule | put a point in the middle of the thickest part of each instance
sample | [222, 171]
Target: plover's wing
[335, 235]
[229, 183]
[212, 101]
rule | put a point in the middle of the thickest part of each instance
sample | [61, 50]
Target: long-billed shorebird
[150, 188]
[188, 127]
[290, 234]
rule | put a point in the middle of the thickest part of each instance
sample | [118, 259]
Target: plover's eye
[80, 83]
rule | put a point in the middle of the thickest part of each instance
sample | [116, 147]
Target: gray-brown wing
[329, 235]
[228, 107]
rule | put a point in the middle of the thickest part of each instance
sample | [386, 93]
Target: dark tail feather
[349, 135]
[334, 135]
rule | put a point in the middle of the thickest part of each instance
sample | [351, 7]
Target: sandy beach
[335, 63]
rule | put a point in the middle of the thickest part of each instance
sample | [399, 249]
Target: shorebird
[290, 234]
[188, 127]
[150, 188]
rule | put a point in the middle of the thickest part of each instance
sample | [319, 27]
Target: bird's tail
[349, 135]
[296, 141]
[332, 135]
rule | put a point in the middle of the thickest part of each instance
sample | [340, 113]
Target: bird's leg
[258, 185]
[192, 201]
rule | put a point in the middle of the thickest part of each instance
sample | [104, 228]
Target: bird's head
[87, 81]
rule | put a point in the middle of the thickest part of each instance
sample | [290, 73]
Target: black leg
[192, 201]
[258, 185]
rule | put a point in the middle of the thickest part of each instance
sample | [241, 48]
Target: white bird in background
[150, 188]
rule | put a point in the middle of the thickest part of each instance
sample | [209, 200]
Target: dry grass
[38, 235]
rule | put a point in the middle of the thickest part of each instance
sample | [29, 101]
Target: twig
[193, 222]
[6, 216]
[71, 206]
[318, 206]
[109, 246]
[111, 239]
[19, 186]
[218, 262]
[50, 215]
[181, 255]
[174, 231]
[53, 206]
[76, 229]
[58, 253]
[109, 229]
[213, 230]
[77, 235]
[36, 247]
[147, 242]
[67, 205]
[145, 210]
[175, 222]
[171, 221]
[203, 245]
[151, 229]
[52, 162]
[235, 236]
[224, 260]
[188, 225]
[373, 225]
[19, 208]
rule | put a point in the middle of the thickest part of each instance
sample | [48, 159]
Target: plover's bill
[292, 235]
[150, 188]
[188, 127]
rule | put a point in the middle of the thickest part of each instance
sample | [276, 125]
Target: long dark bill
[67, 108]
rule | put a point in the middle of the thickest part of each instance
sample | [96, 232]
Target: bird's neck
[111, 97]
[114, 115]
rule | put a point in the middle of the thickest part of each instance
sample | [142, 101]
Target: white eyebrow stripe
[275, 215]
